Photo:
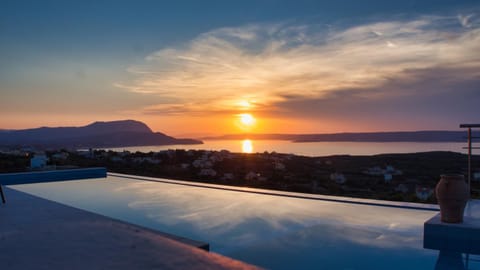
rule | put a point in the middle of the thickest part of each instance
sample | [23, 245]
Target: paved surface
[41, 234]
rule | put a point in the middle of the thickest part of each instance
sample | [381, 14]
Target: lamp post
[470, 147]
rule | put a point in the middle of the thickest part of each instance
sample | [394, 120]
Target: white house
[423, 193]
[375, 171]
[38, 161]
[339, 178]
[202, 163]
[476, 176]
[208, 172]
[60, 156]
[387, 177]
[216, 157]
[228, 177]
[390, 169]
[279, 166]
[252, 176]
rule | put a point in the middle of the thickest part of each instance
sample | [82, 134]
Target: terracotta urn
[452, 195]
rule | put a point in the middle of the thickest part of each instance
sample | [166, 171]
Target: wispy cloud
[271, 64]
[465, 20]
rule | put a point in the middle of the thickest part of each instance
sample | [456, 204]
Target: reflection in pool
[270, 231]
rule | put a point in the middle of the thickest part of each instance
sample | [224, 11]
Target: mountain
[99, 134]
[396, 136]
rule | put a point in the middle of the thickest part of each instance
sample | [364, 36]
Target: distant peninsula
[395, 136]
[121, 133]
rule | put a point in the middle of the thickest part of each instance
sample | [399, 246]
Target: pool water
[275, 232]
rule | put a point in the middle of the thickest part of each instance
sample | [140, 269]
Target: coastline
[311, 149]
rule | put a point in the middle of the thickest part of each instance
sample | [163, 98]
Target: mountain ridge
[98, 134]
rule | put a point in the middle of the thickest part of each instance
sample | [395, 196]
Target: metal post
[3, 195]
[470, 148]
[469, 158]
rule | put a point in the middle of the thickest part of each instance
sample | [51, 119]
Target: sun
[247, 119]
[245, 122]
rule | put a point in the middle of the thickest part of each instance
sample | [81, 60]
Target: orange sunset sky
[195, 69]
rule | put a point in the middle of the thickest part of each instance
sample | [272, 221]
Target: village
[396, 177]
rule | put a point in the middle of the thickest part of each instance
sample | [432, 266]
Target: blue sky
[409, 64]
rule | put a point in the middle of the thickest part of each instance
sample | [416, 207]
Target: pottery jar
[452, 195]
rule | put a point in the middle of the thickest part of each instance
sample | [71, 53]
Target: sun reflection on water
[247, 146]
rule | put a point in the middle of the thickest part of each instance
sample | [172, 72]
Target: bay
[307, 149]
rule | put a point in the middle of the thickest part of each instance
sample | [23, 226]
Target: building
[387, 177]
[279, 166]
[60, 156]
[208, 172]
[423, 193]
[476, 176]
[377, 171]
[228, 177]
[38, 161]
[252, 176]
[339, 178]
[146, 160]
[374, 171]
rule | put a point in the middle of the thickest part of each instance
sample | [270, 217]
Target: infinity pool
[271, 231]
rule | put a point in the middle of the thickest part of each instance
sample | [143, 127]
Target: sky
[197, 68]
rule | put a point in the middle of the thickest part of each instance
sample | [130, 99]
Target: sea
[311, 149]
